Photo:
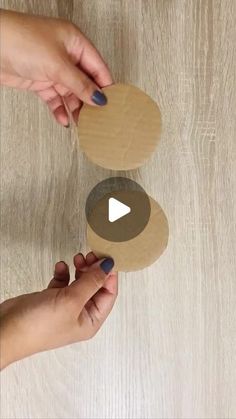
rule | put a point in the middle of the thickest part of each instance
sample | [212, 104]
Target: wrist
[10, 25]
[8, 341]
[5, 18]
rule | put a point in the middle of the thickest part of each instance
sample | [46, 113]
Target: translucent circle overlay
[129, 193]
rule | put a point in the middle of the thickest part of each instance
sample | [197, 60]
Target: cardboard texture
[139, 252]
[123, 134]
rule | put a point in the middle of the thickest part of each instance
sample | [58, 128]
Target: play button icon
[117, 209]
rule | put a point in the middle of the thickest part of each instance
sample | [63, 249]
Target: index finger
[94, 65]
[105, 298]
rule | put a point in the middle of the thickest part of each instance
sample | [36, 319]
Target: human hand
[52, 58]
[61, 314]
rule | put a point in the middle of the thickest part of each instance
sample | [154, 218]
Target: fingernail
[61, 261]
[99, 98]
[107, 265]
[67, 126]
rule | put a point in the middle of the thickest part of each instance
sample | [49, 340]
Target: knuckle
[65, 24]
[57, 68]
[87, 333]
[93, 331]
[72, 27]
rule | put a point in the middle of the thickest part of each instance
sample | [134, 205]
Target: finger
[91, 258]
[80, 263]
[61, 276]
[75, 115]
[80, 84]
[93, 64]
[76, 104]
[58, 109]
[111, 283]
[92, 280]
[72, 102]
[61, 116]
[55, 104]
[102, 302]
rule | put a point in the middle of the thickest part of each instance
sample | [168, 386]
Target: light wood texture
[168, 348]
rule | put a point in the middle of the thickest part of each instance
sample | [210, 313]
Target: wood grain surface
[168, 348]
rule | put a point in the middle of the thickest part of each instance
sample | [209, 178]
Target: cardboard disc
[122, 134]
[139, 252]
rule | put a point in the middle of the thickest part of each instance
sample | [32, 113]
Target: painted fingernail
[99, 98]
[107, 265]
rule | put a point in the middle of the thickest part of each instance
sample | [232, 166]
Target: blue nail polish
[99, 98]
[107, 265]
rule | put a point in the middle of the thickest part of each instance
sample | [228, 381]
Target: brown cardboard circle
[122, 134]
[139, 252]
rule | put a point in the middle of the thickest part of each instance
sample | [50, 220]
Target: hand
[62, 313]
[52, 58]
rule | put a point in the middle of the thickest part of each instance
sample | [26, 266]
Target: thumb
[92, 280]
[81, 85]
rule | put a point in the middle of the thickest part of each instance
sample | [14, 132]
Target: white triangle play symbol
[117, 209]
